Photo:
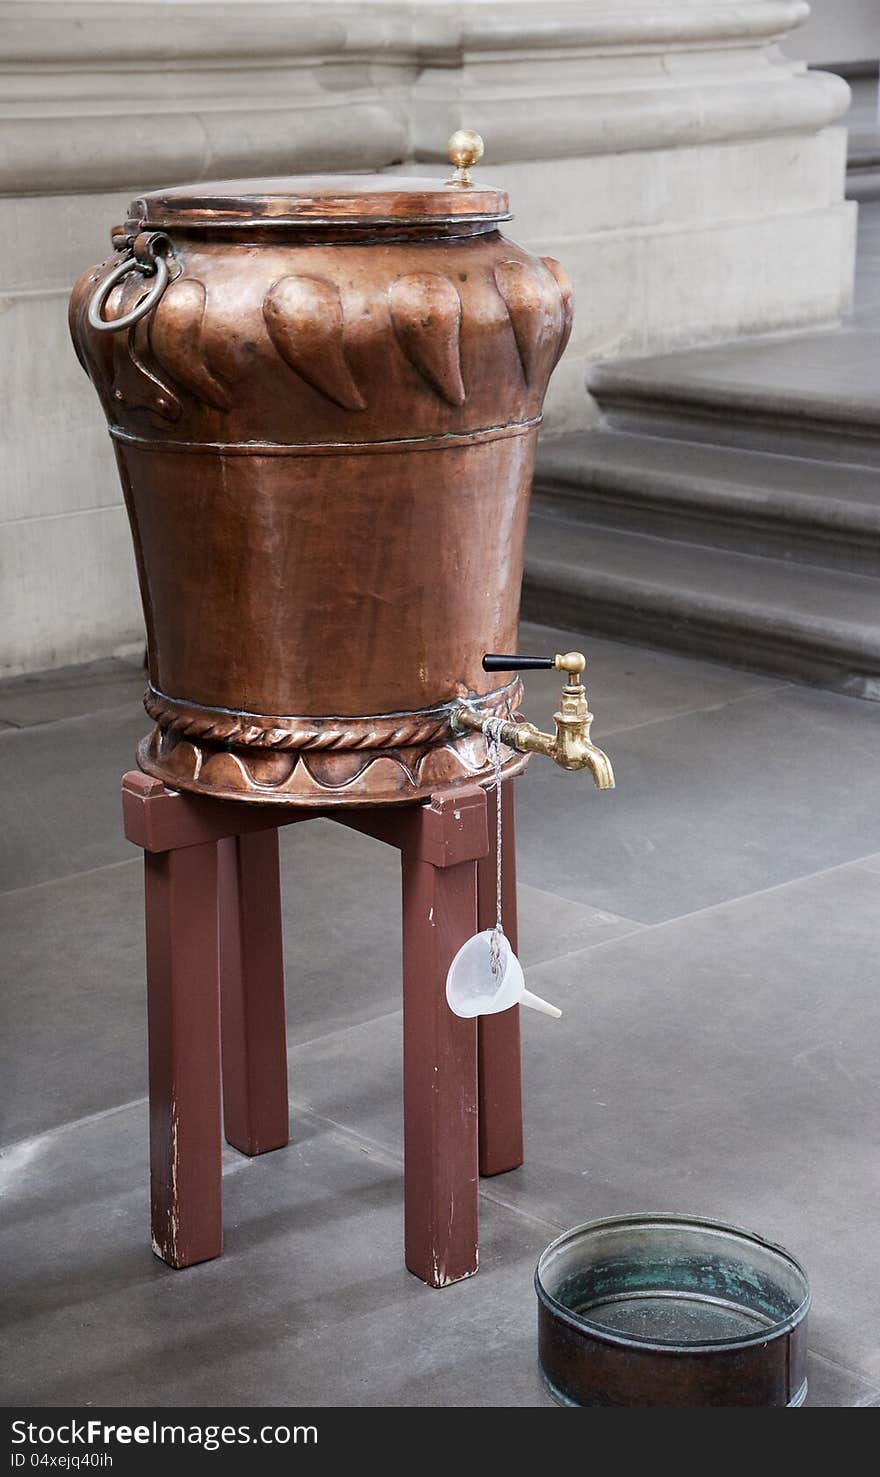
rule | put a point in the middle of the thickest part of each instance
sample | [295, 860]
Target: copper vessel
[324, 396]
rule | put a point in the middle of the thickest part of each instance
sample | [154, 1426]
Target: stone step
[809, 624]
[782, 507]
[863, 134]
[863, 164]
[811, 394]
[863, 174]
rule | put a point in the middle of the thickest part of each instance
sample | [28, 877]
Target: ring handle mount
[150, 258]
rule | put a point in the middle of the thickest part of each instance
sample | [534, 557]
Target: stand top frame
[450, 828]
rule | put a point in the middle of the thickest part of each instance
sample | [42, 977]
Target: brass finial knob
[572, 662]
[465, 148]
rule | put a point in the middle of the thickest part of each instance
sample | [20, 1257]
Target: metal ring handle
[102, 292]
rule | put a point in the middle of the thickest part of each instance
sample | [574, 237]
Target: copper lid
[334, 200]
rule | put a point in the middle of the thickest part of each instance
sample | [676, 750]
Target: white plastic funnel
[472, 988]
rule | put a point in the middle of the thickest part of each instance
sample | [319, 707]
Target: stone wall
[838, 33]
[688, 174]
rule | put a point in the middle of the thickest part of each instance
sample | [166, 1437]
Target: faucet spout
[600, 766]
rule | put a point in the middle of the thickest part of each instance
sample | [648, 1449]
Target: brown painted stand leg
[440, 1066]
[190, 943]
[183, 1005]
[255, 1107]
[500, 1087]
[179, 835]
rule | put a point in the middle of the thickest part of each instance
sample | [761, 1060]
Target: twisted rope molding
[398, 730]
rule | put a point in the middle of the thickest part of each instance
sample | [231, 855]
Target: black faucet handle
[494, 662]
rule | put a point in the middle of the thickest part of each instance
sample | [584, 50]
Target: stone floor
[710, 929]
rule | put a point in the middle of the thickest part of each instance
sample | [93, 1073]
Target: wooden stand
[215, 973]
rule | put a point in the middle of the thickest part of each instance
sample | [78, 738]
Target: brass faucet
[570, 745]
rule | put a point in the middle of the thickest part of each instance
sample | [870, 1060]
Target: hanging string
[492, 729]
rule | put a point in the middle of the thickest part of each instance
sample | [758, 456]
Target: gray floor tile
[73, 1008]
[629, 685]
[73, 953]
[829, 1383]
[728, 1065]
[60, 810]
[71, 692]
[341, 898]
[549, 929]
[709, 806]
[342, 927]
[341, 895]
[722, 1065]
[310, 1304]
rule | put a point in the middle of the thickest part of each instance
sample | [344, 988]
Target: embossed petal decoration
[175, 338]
[305, 322]
[535, 318]
[426, 313]
[365, 777]
[566, 293]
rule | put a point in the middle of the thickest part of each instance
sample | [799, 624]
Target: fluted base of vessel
[382, 759]
[313, 778]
